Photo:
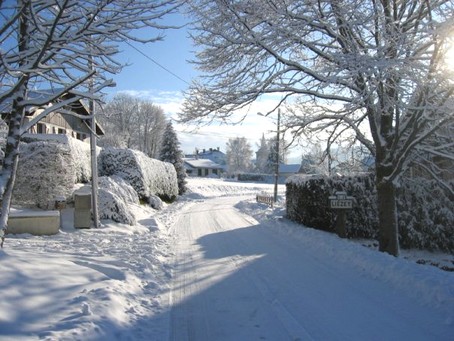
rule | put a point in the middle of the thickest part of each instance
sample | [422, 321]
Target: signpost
[341, 202]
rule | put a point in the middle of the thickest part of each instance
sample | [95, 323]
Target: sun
[448, 59]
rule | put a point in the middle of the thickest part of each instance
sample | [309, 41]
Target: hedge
[425, 211]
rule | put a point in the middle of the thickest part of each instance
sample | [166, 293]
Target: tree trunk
[9, 167]
[387, 215]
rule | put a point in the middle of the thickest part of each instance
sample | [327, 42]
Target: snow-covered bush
[49, 168]
[79, 151]
[45, 171]
[155, 202]
[114, 196]
[426, 218]
[147, 176]
[307, 202]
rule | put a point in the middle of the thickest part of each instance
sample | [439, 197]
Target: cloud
[217, 134]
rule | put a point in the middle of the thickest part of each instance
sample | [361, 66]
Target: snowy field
[119, 282]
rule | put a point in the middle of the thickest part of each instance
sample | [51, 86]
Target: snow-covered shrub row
[266, 178]
[426, 213]
[307, 203]
[426, 216]
[147, 176]
[114, 197]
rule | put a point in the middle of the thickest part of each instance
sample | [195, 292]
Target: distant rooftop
[202, 163]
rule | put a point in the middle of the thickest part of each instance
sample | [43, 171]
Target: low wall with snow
[426, 213]
[48, 168]
[146, 175]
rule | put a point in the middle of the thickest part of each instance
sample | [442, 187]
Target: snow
[216, 265]
[202, 163]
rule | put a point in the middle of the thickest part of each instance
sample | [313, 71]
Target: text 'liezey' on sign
[341, 203]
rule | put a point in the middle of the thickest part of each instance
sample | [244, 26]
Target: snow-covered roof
[202, 163]
[292, 168]
[79, 107]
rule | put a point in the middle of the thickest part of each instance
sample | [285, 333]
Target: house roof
[202, 163]
[292, 168]
[78, 107]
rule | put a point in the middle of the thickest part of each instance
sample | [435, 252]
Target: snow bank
[115, 197]
[209, 188]
[428, 284]
[147, 176]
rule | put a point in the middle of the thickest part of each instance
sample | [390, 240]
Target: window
[61, 131]
[41, 128]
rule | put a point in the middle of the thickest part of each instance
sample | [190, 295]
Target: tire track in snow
[218, 216]
[295, 330]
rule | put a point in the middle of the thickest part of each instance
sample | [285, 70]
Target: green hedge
[426, 212]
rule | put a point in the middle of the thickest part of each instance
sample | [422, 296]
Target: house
[291, 169]
[57, 122]
[213, 154]
[202, 167]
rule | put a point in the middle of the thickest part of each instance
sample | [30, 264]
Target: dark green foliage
[170, 152]
[426, 213]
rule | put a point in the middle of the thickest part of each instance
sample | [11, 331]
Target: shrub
[50, 168]
[115, 195]
[147, 176]
[426, 218]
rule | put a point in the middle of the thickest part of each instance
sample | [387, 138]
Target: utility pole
[276, 174]
[276, 166]
[94, 161]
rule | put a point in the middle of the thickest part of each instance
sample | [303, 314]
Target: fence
[265, 198]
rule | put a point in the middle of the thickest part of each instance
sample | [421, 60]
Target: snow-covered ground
[140, 282]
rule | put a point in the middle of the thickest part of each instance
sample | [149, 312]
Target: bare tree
[373, 67]
[64, 45]
[135, 123]
[238, 155]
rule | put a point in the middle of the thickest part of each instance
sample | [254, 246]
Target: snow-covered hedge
[50, 168]
[115, 195]
[426, 218]
[147, 176]
[307, 203]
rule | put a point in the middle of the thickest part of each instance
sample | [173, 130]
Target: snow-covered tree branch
[376, 68]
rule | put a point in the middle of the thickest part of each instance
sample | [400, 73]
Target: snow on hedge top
[299, 179]
[147, 176]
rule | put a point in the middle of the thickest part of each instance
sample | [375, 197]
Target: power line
[155, 62]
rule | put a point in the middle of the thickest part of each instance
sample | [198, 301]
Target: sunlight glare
[449, 55]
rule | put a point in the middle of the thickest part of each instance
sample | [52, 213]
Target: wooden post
[340, 202]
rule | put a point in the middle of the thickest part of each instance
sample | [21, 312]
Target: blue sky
[172, 53]
[143, 78]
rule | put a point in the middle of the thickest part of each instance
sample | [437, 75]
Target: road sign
[341, 201]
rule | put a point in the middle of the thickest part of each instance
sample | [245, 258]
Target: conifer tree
[171, 152]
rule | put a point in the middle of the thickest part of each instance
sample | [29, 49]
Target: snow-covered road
[234, 279]
[217, 266]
